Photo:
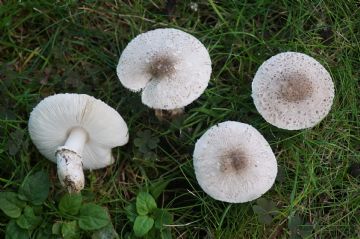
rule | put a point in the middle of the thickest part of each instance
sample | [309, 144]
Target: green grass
[48, 48]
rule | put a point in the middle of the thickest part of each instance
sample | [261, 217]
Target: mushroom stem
[168, 114]
[69, 161]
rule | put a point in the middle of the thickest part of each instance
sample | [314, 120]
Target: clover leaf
[298, 228]
[145, 141]
[265, 210]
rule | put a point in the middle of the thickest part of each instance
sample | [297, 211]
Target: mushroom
[292, 91]
[234, 163]
[76, 131]
[171, 67]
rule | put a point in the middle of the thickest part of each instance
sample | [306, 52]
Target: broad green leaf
[267, 205]
[263, 216]
[151, 156]
[131, 212]
[35, 188]
[93, 217]
[158, 187]
[15, 141]
[294, 222]
[56, 228]
[259, 210]
[152, 234]
[165, 233]
[145, 203]
[152, 144]
[28, 220]
[306, 230]
[13, 231]
[38, 209]
[44, 232]
[145, 141]
[88, 195]
[162, 217]
[265, 219]
[70, 204]
[69, 230]
[138, 142]
[10, 204]
[107, 232]
[142, 225]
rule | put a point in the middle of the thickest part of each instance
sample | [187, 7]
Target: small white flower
[194, 6]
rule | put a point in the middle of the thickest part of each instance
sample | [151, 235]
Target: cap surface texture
[171, 67]
[234, 163]
[292, 91]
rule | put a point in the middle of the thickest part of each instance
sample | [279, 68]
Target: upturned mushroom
[234, 163]
[77, 132]
[171, 68]
[292, 91]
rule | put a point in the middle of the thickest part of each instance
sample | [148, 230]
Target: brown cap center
[234, 161]
[296, 88]
[162, 66]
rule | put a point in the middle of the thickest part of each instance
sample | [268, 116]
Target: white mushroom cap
[172, 68]
[292, 91]
[52, 120]
[234, 163]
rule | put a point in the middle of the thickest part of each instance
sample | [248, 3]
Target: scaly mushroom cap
[171, 67]
[55, 116]
[234, 163]
[292, 91]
